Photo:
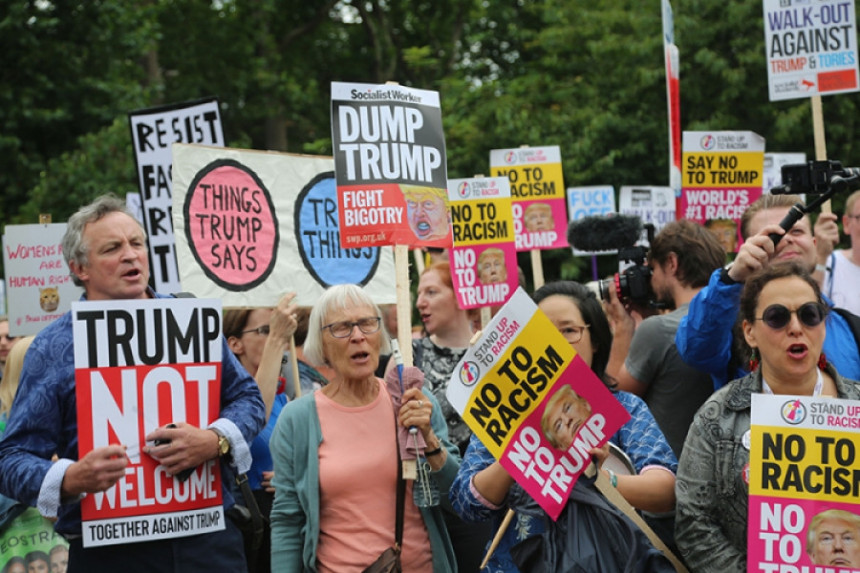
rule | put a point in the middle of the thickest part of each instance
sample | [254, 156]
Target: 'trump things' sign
[251, 225]
[140, 365]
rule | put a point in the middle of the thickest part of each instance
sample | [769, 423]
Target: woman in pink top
[335, 455]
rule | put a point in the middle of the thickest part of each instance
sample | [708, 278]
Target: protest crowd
[293, 397]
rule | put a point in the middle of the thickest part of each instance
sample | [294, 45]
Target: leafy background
[587, 76]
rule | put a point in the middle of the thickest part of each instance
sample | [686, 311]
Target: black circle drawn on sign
[186, 211]
[297, 214]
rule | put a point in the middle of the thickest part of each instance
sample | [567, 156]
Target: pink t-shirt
[358, 489]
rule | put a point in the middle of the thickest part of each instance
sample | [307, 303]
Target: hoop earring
[822, 362]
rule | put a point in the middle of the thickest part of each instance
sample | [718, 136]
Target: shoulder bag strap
[253, 509]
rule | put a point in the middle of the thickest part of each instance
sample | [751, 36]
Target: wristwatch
[223, 443]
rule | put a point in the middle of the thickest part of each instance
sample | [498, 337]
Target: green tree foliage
[69, 69]
[586, 76]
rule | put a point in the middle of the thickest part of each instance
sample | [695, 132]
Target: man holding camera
[644, 359]
[704, 338]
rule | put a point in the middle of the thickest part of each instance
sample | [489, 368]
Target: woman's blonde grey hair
[338, 297]
[12, 373]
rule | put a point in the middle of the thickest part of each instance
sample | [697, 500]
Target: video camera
[633, 284]
[822, 178]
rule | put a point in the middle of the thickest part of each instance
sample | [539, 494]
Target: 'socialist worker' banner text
[140, 365]
[804, 485]
[533, 402]
[483, 260]
[390, 166]
[537, 189]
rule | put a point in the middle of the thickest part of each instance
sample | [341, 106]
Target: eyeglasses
[778, 316]
[343, 328]
[261, 330]
[573, 334]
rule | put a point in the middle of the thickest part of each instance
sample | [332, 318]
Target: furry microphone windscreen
[604, 232]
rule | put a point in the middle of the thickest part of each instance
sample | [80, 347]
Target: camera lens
[605, 285]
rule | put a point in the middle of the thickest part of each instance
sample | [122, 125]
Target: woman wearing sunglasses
[783, 322]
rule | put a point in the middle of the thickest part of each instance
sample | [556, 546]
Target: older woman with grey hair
[336, 459]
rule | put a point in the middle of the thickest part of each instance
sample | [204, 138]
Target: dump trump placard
[804, 485]
[140, 365]
[483, 255]
[535, 404]
[537, 189]
[389, 154]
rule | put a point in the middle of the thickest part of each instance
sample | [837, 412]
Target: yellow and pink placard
[722, 176]
[535, 404]
[483, 259]
[538, 193]
[390, 166]
[804, 485]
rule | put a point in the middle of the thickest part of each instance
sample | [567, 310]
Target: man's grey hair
[74, 247]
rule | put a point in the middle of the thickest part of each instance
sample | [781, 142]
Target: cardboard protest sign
[389, 154]
[535, 404]
[653, 205]
[811, 48]
[252, 225]
[590, 201]
[153, 131]
[804, 485]
[722, 177]
[139, 365]
[483, 252]
[39, 286]
[537, 188]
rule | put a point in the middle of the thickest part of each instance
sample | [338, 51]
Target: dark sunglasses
[778, 316]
